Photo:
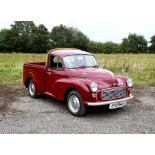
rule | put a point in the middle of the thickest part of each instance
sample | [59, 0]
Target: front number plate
[116, 105]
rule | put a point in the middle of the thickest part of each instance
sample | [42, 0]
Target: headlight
[94, 87]
[129, 82]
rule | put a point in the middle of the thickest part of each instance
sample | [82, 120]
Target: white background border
[11, 10]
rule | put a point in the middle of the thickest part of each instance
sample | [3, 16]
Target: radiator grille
[113, 94]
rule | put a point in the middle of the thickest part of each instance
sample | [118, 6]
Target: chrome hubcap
[31, 89]
[74, 103]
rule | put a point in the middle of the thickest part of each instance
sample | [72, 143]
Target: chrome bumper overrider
[109, 102]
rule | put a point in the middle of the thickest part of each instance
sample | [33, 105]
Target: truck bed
[35, 70]
[35, 64]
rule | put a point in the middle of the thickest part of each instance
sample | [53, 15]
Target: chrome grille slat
[112, 94]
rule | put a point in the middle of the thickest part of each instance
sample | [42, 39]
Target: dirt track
[21, 114]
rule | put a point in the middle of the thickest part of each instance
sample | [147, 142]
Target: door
[54, 72]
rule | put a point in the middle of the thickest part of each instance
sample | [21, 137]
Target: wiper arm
[82, 66]
[95, 66]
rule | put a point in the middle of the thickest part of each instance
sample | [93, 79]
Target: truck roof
[66, 51]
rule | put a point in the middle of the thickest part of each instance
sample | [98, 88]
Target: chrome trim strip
[111, 88]
[109, 102]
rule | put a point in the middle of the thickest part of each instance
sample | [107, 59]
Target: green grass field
[140, 67]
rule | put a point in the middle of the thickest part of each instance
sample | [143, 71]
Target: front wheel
[32, 89]
[75, 104]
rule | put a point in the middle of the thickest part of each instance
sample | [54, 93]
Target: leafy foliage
[152, 46]
[107, 47]
[110, 47]
[62, 36]
[25, 36]
[8, 40]
[80, 40]
[22, 30]
[39, 39]
[134, 44]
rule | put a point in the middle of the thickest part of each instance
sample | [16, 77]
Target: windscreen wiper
[82, 66]
[95, 66]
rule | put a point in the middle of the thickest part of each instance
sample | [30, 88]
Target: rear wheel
[32, 89]
[75, 104]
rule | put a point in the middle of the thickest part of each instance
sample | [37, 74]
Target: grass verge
[140, 67]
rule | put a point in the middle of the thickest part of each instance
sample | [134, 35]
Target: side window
[55, 63]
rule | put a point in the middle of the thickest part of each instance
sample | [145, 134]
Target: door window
[55, 63]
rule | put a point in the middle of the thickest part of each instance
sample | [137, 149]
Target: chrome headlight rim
[94, 87]
[129, 83]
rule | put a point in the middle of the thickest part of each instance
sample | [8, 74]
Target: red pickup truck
[74, 76]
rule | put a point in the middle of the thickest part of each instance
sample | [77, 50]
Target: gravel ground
[21, 114]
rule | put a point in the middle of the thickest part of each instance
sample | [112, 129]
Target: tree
[39, 39]
[23, 30]
[134, 44]
[152, 46]
[110, 47]
[80, 40]
[29, 37]
[95, 47]
[61, 36]
[25, 36]
[4, 36]
[107, 47]
[7, 40]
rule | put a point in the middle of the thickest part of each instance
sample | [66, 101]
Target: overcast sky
[100, 20]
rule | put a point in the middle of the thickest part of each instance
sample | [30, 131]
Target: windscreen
[80, 61]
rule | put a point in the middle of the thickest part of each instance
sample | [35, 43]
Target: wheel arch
[67, 92]
[29, 77]
[27, 81]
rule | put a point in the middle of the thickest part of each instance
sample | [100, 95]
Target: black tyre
[32, 89]
[75, 104]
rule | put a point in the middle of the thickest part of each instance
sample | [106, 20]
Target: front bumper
[109, 102]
